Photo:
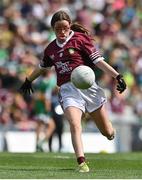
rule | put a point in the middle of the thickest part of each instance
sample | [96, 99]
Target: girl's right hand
[26, 87]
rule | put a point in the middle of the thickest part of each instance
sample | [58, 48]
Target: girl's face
[62, 30]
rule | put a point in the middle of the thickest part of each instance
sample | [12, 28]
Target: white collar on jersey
[64, 43]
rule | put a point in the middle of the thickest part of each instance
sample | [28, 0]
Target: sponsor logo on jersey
[63, 67]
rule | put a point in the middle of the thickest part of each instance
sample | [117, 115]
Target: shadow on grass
[37, 169]
[67, 169]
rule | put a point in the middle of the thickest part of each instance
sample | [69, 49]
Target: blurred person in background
[42, 108]
[57, 114]
[72, 47]
[43, 117]
[46, 84]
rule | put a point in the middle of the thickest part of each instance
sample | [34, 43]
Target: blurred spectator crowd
[25, 31]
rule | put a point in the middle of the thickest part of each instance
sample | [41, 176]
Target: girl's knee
[75, 128]
[110, 134]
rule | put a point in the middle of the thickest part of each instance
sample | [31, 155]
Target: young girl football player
[72, 47]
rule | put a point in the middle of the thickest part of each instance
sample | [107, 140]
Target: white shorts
[87, 100]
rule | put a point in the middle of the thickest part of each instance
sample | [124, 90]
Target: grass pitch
[63, 166]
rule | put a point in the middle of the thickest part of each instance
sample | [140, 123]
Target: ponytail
[79, 28]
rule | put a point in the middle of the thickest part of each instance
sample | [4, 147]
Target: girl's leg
[74, 115]
[100, 116]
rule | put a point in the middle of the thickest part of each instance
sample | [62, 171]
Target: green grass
[63, 166]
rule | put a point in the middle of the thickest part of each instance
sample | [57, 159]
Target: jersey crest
[71, 50]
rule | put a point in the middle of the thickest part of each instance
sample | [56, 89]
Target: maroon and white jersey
[78, 49]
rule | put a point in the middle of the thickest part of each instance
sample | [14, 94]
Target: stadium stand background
[25, 31]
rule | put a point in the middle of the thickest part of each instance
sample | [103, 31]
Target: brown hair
[59, 16]
[62, 15]
[79, 28]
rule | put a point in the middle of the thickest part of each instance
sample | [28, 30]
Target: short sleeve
[90, 50]
[46, 61]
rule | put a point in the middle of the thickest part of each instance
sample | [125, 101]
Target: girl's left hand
[121, 86]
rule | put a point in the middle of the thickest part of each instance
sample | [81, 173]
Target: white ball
[83, 77]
